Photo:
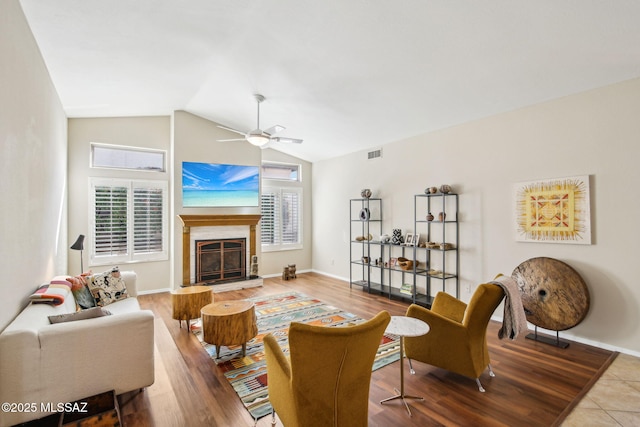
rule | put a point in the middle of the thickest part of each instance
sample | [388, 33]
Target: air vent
[374, 154]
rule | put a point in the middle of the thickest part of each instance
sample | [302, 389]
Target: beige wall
[196, 139]
[33, 149]
[593, 133]
[146, 132]
[185, 137]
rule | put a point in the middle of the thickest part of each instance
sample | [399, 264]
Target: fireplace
[216, 227]
[220, 260]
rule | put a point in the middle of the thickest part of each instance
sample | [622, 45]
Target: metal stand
[543, 339]
[401, 394]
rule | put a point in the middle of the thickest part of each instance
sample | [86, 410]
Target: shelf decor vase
[430, 217]
[396, 236]
[442, 216]
[366, 193]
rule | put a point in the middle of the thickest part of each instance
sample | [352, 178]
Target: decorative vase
[396, 236]
[364, 214]
[430, 217]
[442, 216]
[445, 188]
[366, 193]
[430, 190]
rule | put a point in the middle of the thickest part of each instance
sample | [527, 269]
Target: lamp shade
[79, 243]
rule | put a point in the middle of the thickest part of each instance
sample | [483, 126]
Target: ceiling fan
[258, 137]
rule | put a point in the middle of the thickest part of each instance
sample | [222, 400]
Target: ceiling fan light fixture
[257, 139]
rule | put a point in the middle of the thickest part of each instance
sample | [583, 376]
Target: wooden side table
[188, 301]
[229, 323]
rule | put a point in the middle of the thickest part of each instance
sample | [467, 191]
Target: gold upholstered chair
[457, 340]
[325, 380]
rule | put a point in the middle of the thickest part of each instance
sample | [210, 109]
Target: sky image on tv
[219, 185]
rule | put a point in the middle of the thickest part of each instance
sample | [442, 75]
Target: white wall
[33, 137]
[593, 133]
[145, 132]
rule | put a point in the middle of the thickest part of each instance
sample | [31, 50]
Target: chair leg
[411, 367]
[491, 374]
[482, 390]
[273, 418]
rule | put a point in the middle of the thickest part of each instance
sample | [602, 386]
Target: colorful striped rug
[248, 375]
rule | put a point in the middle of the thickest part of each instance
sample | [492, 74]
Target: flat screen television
[206, 185]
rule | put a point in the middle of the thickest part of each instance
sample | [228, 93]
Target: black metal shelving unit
[440, 256]
[435, 268]
[365, 217]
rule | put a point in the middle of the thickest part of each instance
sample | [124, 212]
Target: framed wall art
[553, 210]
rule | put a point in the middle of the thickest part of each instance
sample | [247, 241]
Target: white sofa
[44, 363]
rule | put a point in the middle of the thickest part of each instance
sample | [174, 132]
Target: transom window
[130, 158]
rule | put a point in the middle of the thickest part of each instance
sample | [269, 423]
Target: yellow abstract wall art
[554, 211]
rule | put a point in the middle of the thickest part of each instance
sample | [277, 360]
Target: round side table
[188, 301]
[229, 323]
[405, 327]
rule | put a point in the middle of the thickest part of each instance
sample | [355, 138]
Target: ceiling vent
[374, 154]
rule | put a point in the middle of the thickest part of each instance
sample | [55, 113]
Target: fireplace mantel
[189, 221]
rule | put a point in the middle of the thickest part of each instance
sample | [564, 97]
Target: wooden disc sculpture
[553, 294]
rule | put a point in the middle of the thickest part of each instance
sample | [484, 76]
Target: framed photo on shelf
[393, 262]
[416, 239]
[408, 239]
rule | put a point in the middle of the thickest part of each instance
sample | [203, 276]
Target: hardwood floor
[535, 384]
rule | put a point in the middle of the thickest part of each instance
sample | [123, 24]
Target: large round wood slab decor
[553, 294]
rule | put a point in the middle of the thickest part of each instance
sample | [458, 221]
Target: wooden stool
[229, 323]
[188, 301]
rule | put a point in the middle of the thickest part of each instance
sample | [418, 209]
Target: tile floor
[614, 400]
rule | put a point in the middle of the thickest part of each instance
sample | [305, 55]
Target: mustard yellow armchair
[457, 339]
[325, 380]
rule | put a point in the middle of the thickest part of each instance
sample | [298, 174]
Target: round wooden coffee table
[188, 301]
[229, 323]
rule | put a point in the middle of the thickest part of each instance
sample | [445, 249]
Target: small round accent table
[188, 301]
[405, 327]
[229, 323]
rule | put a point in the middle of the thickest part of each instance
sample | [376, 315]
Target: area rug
[248, 375]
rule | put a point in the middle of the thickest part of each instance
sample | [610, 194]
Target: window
[132, 158]
[128, 221]
[281, 222]
[281, 171]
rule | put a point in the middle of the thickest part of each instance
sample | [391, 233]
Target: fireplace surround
[190, 222]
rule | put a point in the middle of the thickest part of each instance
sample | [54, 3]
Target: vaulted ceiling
[342, 75]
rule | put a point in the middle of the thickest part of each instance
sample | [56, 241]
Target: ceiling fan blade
[287, 140]
[230, 140]
[231, 130]
[274, 129]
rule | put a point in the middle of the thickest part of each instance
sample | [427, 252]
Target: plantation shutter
[281, 221]
[110, 212]
[290, 217]
[129, 221]
[269, 220]
[148, 214]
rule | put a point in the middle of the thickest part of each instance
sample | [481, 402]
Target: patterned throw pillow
[107, 287]
[81, 292]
